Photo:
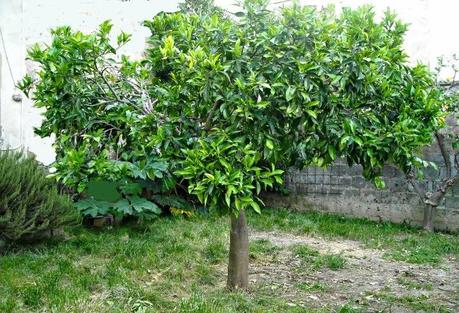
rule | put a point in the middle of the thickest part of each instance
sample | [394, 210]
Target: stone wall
[343, 190]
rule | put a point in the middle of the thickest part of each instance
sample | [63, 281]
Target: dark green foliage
[220, 105]
[248, 96]
[30, 205]
[98, 124]
[117, 198]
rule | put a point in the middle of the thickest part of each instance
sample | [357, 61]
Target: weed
[314, 259]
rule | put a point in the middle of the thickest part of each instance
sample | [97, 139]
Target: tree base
[238, 265]
[427, 223]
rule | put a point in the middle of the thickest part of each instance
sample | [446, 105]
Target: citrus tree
[225, 103]
[244, 97]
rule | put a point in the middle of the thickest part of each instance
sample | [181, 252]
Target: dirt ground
[368, 280]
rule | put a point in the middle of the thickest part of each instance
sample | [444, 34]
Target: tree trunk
[238, 265]
[427, 224]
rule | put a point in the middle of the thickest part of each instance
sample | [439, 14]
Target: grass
[417, 303]
[306, 286]
[412, 284]
[314, 259]
[179, 265]
[261, 248]
[400, 242]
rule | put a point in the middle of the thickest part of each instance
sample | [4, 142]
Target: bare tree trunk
[427, 224]
[238, 265]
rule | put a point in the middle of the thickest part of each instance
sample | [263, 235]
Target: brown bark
[238, 265]
[444, 153]
[427, 223]
[431, 200]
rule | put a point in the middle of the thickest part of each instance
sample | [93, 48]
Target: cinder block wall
[343, 190]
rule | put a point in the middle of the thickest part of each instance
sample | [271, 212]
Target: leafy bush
[96, 106]
[117, 199]
[30, 204]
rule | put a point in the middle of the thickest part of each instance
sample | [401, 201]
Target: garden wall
[342, 189]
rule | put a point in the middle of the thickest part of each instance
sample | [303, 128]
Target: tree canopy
[246, 96]
[221, 104]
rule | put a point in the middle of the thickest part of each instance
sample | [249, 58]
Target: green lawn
[179, 265]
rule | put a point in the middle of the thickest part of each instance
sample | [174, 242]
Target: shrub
[30, 205]
[99, 125]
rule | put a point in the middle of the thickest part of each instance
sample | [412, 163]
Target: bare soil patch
[368, 280]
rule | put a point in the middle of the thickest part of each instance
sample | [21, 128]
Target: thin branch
[98, 85]
[456, 161]
[211, 113]
[101, 73]
[413, 182]
[434, 199]
[441, 145]
[92, 123]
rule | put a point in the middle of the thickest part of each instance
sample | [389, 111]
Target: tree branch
[441, 145]
[413, 182]
[211, 113]
[435, 198]
[456, 161]
[101, 73]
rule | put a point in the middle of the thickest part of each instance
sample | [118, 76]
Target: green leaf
[105, 27]
[143, 205]
[123, 207]
[122, 38]
[269, 144]
[228, 193]
[94, 208]
[255, 207]
[312, 113]
[332, 152]
[290, 93]
[237, 48]
[358, 140]
[379, 183]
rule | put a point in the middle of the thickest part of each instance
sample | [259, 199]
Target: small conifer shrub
[30, 204]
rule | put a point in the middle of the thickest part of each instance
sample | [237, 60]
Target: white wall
[11, 26]
[24, 22]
